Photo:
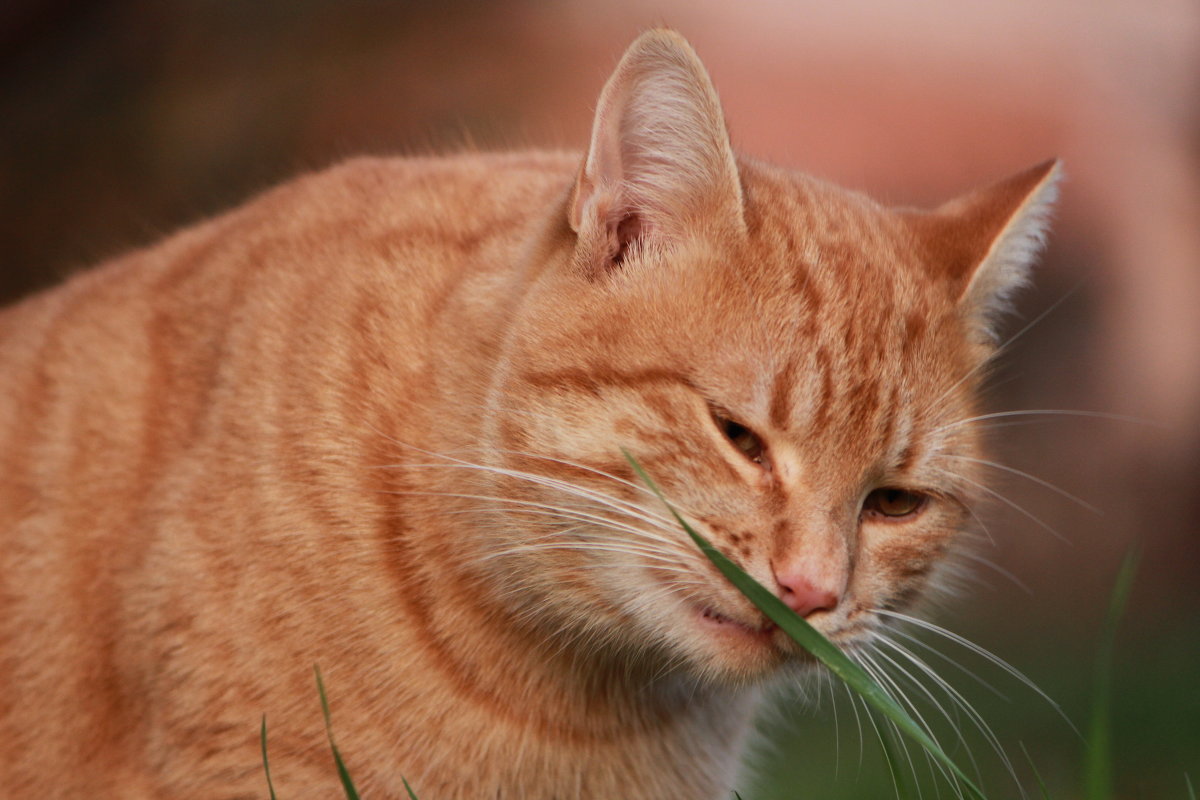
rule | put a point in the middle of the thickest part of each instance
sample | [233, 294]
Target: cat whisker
[982, 526]
[566, 462]
[579, 547]
[992, 565]
[657, 568]
[530, 506]
[999, 350]
[586, 537]
[631, 509]
[857, 723]
[1045, 412]
[952, 720]
[889, 685]
[527, 508]
[545, 480]
[650, 600]
[951, 661]
[825, 677]
[1011, 504]
[957, 698]
[524, 509]
[954, 696]
[1046, 484]
[856, 655]
[981, 652]
[879, 735]
[587, 532]
[653, 519]
[666, 561]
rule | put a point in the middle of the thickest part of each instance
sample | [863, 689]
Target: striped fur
[373, 420]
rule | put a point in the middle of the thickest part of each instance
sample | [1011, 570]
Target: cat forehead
[815, 256]
[833, 320]
[795, 219]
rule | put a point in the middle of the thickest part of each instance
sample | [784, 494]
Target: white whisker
[980, 651]
[1027, 476]
[961, 702]
[1012, 505]
[987, 562]
[530, 507]
[858, 724]
[885, 681]
[566, 462]
[954, 696]
[951, 661]
[579, 547]
[1055, 412]
[626, 507]
[1007, 344]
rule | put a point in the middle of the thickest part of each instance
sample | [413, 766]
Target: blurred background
[120, 121]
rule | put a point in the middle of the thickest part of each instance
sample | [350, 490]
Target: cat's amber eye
[744, 439]
[894, 502]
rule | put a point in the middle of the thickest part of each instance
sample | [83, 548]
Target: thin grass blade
[411, 794]
[1037, 775]
[811, 640]
[343, 773]
[900, 776]
[266, 764]
[1098, 763]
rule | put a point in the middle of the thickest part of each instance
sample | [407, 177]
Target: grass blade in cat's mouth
[760, 632]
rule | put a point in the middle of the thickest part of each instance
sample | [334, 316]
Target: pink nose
[801, 596]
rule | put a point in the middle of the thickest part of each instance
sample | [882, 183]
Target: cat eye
[894, 502]
[741, 437]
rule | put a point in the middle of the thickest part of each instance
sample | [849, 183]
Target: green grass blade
[811, 640]
[900, 776]
[1036, 774]
[1191, 790]
[1098, 762]
[411, 794]
[343, 773]
[266, 764]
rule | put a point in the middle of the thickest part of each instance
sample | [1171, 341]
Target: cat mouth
[714, 620]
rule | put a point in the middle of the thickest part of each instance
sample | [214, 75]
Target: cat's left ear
[659, 161]
[985, 242]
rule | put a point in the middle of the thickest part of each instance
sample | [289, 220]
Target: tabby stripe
[597, 378]
[781, 408]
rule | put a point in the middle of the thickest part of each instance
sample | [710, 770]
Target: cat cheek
[899, 565]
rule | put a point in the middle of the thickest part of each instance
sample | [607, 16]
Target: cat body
[374, 419]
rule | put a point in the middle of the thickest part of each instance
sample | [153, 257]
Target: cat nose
[802, 594]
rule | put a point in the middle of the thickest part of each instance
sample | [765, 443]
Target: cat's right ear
[659, 160]
[984, 243]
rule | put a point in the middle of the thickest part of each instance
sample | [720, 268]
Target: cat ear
[986, 241]
[659, 157]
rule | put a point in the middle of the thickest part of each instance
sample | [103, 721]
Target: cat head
[794, 364]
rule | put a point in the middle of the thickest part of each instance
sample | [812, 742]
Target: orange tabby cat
[373, 420]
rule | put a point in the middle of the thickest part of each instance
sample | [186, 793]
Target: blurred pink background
[121, 121]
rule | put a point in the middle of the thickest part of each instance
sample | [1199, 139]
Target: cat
[374, 420]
